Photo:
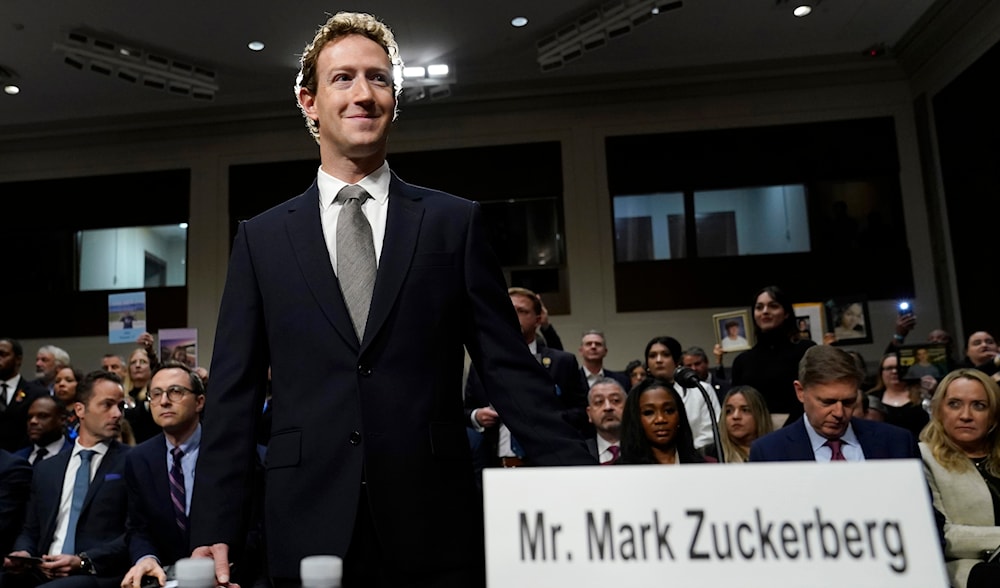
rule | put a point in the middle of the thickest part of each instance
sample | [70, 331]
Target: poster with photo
[179, 345]
[126, 317]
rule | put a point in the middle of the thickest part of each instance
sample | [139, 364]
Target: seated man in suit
[159, 474]
[606, 400]
[696, 359]
[76, 514]
[828, 390]
[562, 368]
[15, 483]
[46, 430]
[593, 350]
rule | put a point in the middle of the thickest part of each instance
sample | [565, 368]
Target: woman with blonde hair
[744, 418]
[960, 448]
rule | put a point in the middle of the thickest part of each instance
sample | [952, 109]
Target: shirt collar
[101, 448]
[375, 183]
[816, 440]
[192, 443]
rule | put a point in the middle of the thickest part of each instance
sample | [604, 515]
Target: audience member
[605, 402]
[655, 427]
[902, 400]
[593, 350]
[159, 474]
[696, 359]
[46, 430]
[114, 364]
[771, 366]
[562, 369]
[15, 395]
[981, 353]
[744, 419]
[636, 372]
[15, 484]
[140, 370]
[74, 537]
[546, 330]
[65, 384]
[961, 454]
[663, 355]
[827, 387]
[872, 407]
[48, 360]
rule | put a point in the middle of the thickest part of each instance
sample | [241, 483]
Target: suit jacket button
[364, 370]
[355, 438]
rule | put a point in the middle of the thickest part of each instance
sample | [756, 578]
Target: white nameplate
[768, 525]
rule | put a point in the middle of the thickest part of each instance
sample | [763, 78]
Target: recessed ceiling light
[519, 21]
[11, 89]
[803, 10]
[255, 45]
[437, 70]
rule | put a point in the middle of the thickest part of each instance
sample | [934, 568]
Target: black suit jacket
[152, 529]
[14, 416]
[100, 531]
[878, 441]
[619, 377]
[386, 409]
[25, 452]
[15, 483]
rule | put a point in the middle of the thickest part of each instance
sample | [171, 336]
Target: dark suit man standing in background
[76, 515]
[159, 474]
[359, 295]
[16, 394]
[828, 390]
[593, 350]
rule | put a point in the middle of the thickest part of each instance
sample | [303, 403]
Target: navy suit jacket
[15, 483]
[25, 452]
[100, 531]
[878, 441]
[386, 409]
[619, 377]
[152, 528]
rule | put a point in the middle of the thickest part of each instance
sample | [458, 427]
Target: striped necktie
[177, 494]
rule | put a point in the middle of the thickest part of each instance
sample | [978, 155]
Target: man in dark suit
[828, 389]
[15, 483]
[605, 404]
[15, 395]
[593, 350]
[159, 474]
[499, 447]
[696, 359]
[363, 325]
[80, 540]
[46, 430]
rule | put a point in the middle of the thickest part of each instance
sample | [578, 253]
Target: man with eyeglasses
[75, 522]
[159, 474]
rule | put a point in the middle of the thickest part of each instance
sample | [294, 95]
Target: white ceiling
[487, 54]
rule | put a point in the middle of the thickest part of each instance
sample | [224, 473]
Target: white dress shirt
[376, 208]
[850, 445]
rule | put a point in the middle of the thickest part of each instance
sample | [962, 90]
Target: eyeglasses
[174, 393]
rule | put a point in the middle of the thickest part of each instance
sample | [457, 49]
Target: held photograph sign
[767, 525]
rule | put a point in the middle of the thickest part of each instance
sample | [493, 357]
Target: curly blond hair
[340, 25]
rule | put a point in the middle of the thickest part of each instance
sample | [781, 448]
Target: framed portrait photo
[810, 320]
[848, 320]
[926, 359]
[733, 331]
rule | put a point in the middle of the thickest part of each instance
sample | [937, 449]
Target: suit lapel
[102, 470]
[799, 441]
[402, 227]
[53, 487]
[870, 444]
[305, 232]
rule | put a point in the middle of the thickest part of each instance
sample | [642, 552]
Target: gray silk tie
[355, 256]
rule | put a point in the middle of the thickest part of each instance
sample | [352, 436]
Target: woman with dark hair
[772, 364]
[655, 428]
[64, 389]
[635, 371]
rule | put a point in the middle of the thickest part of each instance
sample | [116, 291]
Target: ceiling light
[803, 10]
[11, 90]
[414, 72]
[437, 70]
[519, 21]
[255, 45]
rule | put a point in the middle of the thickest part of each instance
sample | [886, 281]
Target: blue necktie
[80, 486]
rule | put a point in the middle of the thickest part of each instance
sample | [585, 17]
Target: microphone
[687, 377]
